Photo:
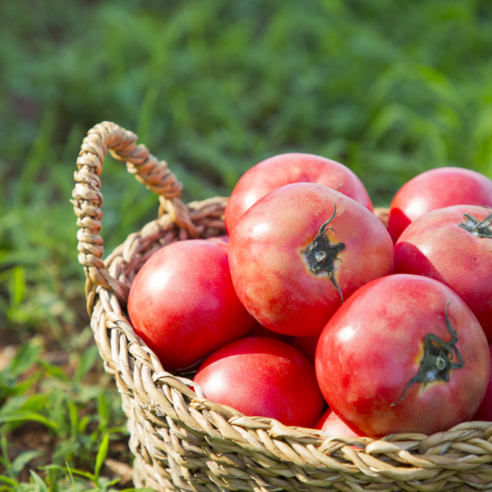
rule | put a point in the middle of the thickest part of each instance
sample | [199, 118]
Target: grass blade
[101, 455]
[87, 360]
[25, 357]
[8, 480]
[20, 462]
[40, 484]
[22, 417]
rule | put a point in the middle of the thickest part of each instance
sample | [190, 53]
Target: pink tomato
[403, 354]
[437, 188]
[183, 305]
[263, 377]
[300, 250]
[453, 245]
[285, 169]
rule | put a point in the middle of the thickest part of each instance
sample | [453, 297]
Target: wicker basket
[181, 440]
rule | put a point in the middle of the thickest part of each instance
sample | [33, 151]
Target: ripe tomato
[183, 305]
[299, 250]
[403, 354]
[285, 169]
[437, 188]
[263, 377]
[484, 411]
[453, 245]
[332, 425]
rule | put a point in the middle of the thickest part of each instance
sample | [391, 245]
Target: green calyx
[436, 362]
[477, 228]
[321, 254]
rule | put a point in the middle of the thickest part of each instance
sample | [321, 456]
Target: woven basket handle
[88, 200]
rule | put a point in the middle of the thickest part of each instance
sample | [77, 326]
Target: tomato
[285, 169]
[299, 250]
[453, 245]
[331, 425]
[403, 354]
[484, 411]
[183, 305]
[263, 377]
[437, 188]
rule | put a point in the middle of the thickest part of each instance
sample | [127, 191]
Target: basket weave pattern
[181, 440]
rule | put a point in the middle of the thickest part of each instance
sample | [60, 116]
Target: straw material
[181, 440]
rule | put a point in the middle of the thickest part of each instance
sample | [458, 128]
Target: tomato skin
[437, 247]
[484, 412]
[332, 425]
[183, 305]
[267, 267]
[263, 377]
[437, 188]
[285, 169]
[372, 348]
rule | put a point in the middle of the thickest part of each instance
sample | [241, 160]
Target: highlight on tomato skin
[403, 354]
[453, 245]
[263, 377]
[302, 249]
[183, 305]
[433, 189]
[285, 169]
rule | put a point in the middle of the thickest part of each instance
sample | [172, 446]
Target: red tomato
[293, 256]
[331, 425]
[403, 354]
[285, 169]
[437, 188]
[263, 377]
[307, 346]
[484, 411]
[453, 245]
[183, 305]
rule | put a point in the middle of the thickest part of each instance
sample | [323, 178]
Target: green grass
[389, 88]
[81, 423]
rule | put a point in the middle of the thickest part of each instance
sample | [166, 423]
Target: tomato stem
[477, 228]
[321, 254]
[436, 364]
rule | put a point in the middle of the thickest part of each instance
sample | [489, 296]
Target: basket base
[144, 476]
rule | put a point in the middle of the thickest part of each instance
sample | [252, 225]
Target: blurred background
[389, 88]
